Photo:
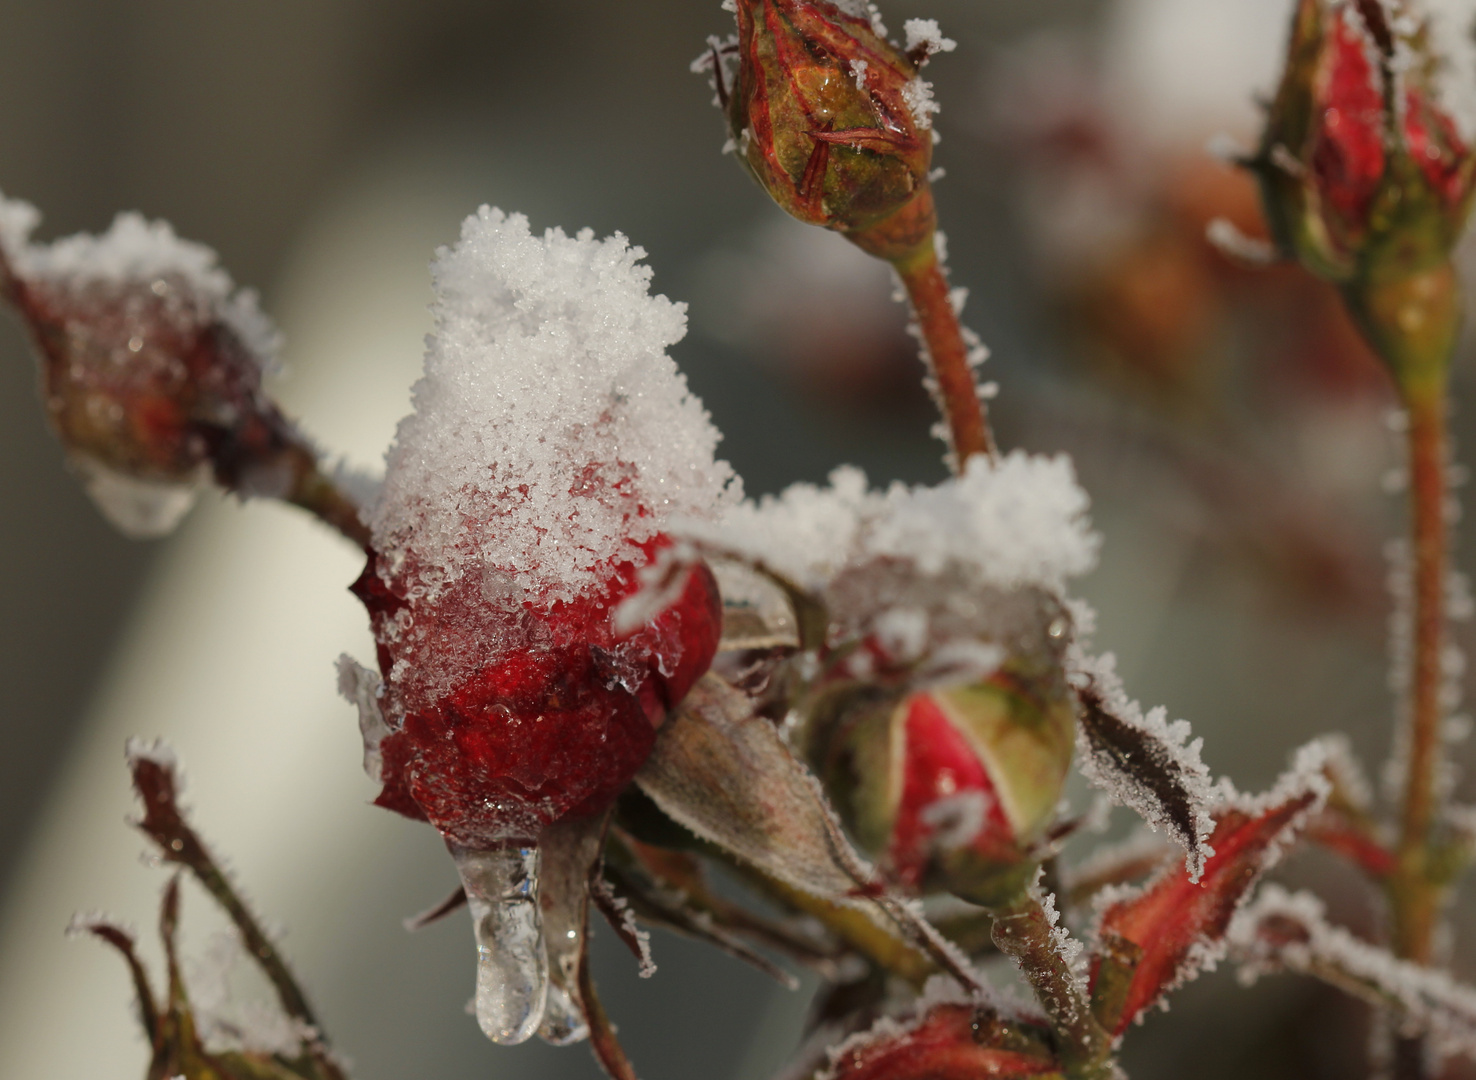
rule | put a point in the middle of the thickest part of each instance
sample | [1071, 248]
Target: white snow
[918, 96]
[924, 33]
[1010, 523]
[136, 253]
[550, 426]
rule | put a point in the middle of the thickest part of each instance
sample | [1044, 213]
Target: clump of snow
[159, 752]
[136, 253]
[1015, 522]
[18, 220]
[363, 688]
[924, 35]
[551, 429]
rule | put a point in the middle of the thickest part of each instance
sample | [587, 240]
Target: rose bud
[151, 370]
[833, 120]
[551, 441]
[1364, 176]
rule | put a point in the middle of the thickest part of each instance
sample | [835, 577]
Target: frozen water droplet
[512, 964]
[139, 509]
[563, 1021]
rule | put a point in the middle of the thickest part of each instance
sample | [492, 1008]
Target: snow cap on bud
[833, 120]
[151, 367]
[1364, 175]
[551, 441]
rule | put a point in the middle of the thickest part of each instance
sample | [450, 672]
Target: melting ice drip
[512, 962]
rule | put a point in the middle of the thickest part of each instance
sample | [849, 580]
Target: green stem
[1023, 932]
[956, 390]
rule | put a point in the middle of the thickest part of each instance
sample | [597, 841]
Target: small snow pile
[1016, 522]
[551, 429]
[923, 35]
[135, 254]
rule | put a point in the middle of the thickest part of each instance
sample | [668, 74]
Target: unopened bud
[1364, 176]
[834, 121]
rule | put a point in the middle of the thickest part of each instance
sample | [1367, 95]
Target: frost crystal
[551, 430]
[1011, 523]
[1164, 779]
[1281, 930]
[918, 95]
[924, 34]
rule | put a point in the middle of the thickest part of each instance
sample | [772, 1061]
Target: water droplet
[512, 964]
[1057, 629]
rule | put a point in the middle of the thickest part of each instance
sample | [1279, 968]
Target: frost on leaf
[1143, 761]
[1281, 931]
[1012, 523]
[1153, 940]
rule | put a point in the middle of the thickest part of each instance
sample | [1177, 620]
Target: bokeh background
[1230, 428]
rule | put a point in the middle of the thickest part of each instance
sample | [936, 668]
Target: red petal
[1348, 143]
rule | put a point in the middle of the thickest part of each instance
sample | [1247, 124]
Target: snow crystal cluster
[1015, 522]
[551, 429]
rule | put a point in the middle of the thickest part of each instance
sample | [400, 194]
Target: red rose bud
[833, 120]
[522, 511]
[151, 371]
[1363, 175]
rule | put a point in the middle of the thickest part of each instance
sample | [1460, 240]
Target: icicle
[512, 964]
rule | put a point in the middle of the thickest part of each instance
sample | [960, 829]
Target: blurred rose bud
[1363, 175]
[151, 369]
[834, 121]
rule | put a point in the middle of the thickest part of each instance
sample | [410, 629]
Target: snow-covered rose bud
[1364, 175]
[938, 716]
[833, 120]
[151, 370]
[551, 442]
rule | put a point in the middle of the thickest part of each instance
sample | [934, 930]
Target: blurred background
[1230, 428]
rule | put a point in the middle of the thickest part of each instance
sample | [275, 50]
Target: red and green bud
[1364, 176]
[954, 786]
[833, 121]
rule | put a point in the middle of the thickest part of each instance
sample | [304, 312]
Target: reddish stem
[1416, 905]
[956, 390]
